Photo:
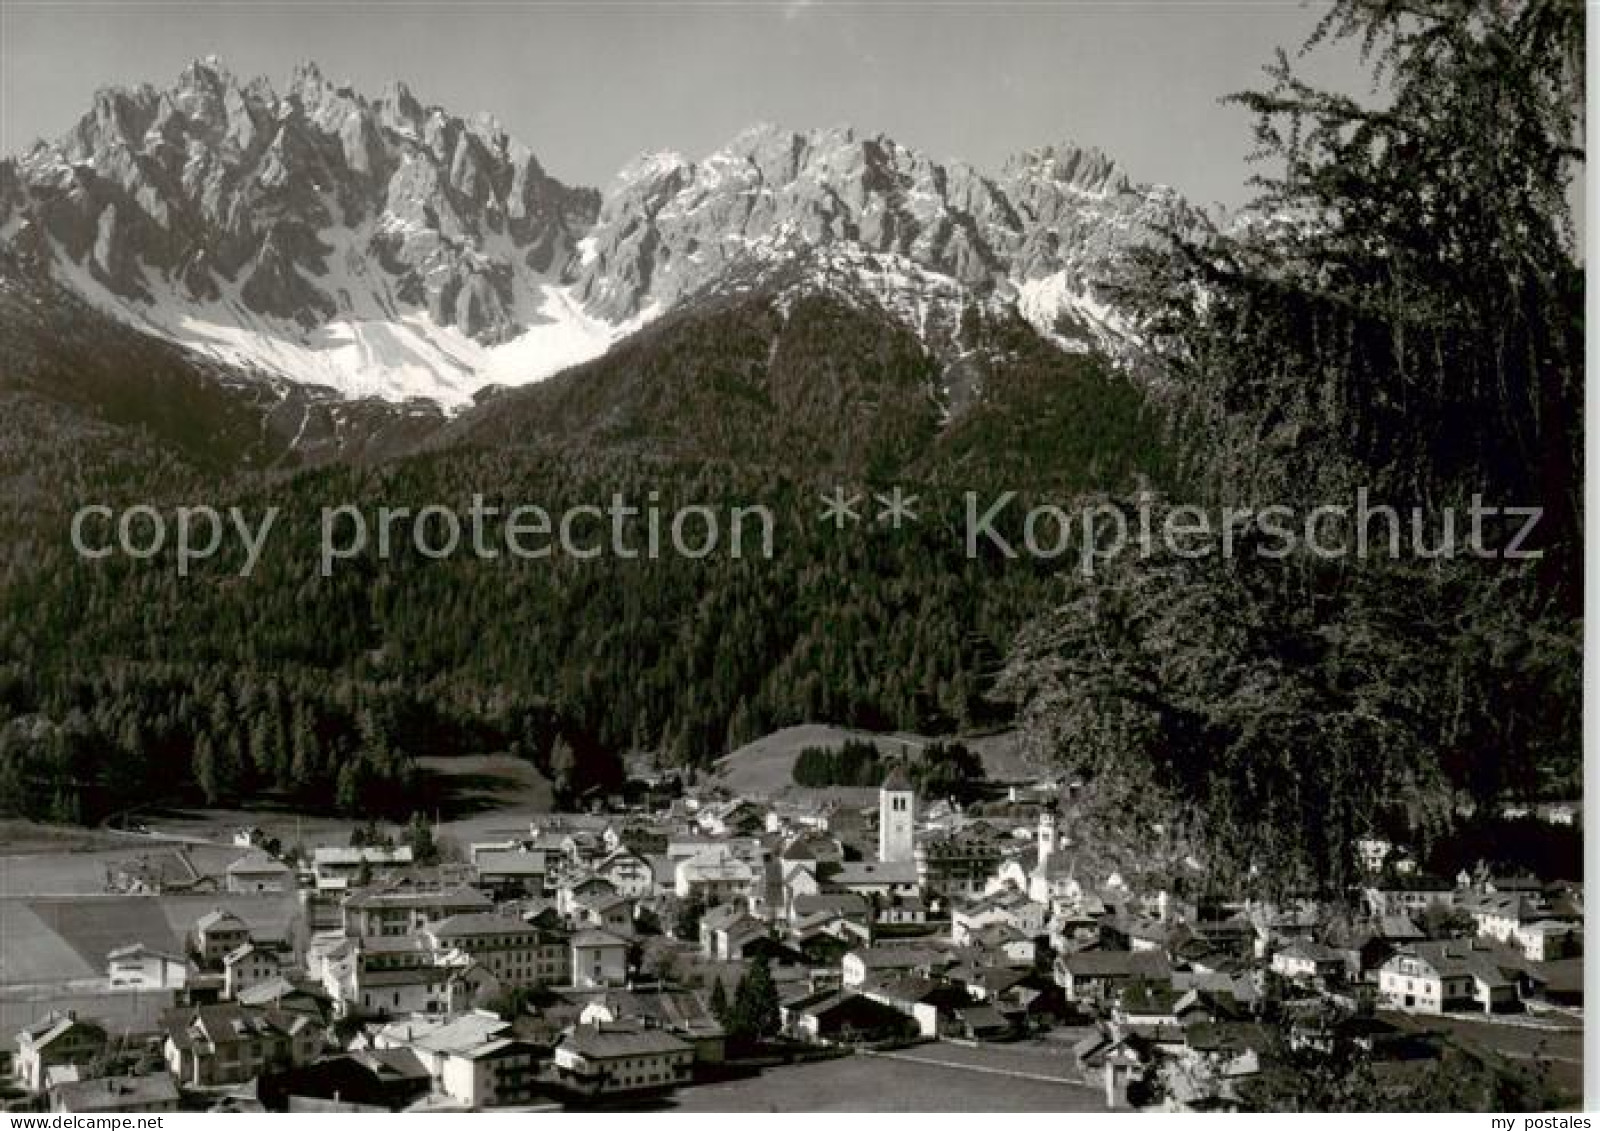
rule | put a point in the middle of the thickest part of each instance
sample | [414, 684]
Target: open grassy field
[53, 940]
[861, 1083]
[121, 1011]
[1551, 1043]
[1052, 1057]
[477, 797]
[765, 767]
[23, 837]
[84, 872]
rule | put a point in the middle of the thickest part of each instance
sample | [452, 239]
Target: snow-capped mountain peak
[386, 247]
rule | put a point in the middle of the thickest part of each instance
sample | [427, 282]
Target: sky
[590, 86]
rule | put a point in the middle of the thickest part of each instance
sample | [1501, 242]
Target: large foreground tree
[1400, 311]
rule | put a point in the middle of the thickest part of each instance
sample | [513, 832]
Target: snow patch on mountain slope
[374, 348]
[1049, 301]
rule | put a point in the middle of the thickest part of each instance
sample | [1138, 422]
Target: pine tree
[755, 1012]
[205, 768]
[719, 1002]
[563, 767]
[419, 835]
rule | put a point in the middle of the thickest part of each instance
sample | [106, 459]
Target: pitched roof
[897, 781]
[140, 950]
[354, 857]
[1117, 964]
[810, 846]
[602, 902]
[220, 917]
[831, 902]
[115, 1093]
[1308, 951]
[257, 864]
[602, 1042]
[899, 957]
[54, 1025]
[228, 1022]
[477, 925]
[597, 937]
[456, 1036]
[510, 862]
[673, 1009]
[460, 897]
[867, 873]
[243, 951]
[1453, 958]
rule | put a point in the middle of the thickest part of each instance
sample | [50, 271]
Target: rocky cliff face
[268, 227]
[386, 248]
[1042, 234]
[218, 186]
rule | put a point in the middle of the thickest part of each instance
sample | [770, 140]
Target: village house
[825, 936]
[217, 934]
[612, 912]
[1497, 915]
[1001, 942]
[575, 887]
[498, 1073]
[715, 875]
[609, 1060]
[879, 882]
[246, 966]
[844, 904]
[1447, 976]
[877, 962]
[736, 817]
[1095, 976]
[210, 1045]
[58, 1039]
[930, 1004]
[1136, 932]
[1409, 894]
[813, 848]
[141, 967]
[903, 910]
[959, 863]
[1008, 905]
[514, 952]
[1546, 940]
[400, 911]
[368, 1080]
[835, 1016]
[255, 873]
[121, 1095]
[678, 1011]
[335, 868]
[1306, 961]
[297, 996]
[509, 873]
[599, 959]
[726, 932]
[629, 874]
[474, 1059]
[387, 976]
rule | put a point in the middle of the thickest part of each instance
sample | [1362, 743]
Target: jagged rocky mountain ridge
[382, 248]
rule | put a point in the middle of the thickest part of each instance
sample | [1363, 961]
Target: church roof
[897, 781]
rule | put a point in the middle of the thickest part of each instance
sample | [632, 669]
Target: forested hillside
[124, 680]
